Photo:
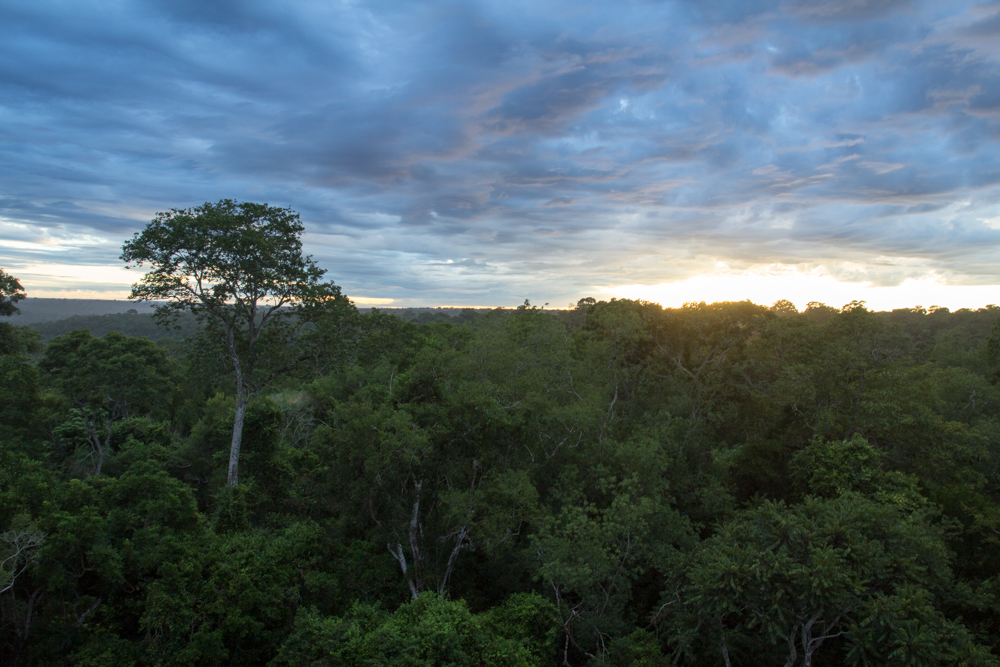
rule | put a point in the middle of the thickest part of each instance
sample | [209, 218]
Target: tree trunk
[234, 448]
[96, 444]
[241, 410]
[463, 535]
[102, 450]
[97, 447]
[725, 652]
[100, 461]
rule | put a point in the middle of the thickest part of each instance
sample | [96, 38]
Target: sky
[484, 153]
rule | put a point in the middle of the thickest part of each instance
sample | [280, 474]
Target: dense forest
[613, 484]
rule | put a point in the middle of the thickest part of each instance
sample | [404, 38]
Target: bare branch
[22, 548]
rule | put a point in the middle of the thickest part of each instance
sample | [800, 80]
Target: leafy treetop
[243, 255]
[11, 292]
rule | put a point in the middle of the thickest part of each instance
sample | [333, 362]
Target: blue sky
[481, 153]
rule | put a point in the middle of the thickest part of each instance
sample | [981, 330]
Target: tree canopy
[11, 292]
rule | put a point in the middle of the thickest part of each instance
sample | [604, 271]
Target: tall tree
[10, 293]
[239, 268]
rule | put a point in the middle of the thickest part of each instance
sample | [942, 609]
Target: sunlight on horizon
[764, 287]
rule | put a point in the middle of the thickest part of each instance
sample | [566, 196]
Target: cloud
[844, 10]
[543, 149]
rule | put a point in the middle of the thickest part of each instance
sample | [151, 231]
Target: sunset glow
[767, 286]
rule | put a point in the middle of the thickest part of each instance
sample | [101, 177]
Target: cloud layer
[485, 152]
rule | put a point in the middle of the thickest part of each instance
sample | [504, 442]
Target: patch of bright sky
[31, 246]
[767, 285]
[78, 281]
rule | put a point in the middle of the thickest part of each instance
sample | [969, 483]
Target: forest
[612, 484]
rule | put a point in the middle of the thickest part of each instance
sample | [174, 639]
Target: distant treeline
[429, 315]
[41, 309]
[133, 323]
[920, 324]
[129, 323]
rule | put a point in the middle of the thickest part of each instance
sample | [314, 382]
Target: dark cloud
[477, 151]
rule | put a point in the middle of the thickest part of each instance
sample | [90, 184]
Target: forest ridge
[615, 484]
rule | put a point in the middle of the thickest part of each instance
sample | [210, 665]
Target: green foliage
[18, 396]
[618, 484]
[905, 629]
[106, 379]
[19, 391]
[641, 648]
[129, 324]
[428, 631]
[18, 340]
[993, 346]
[120, 375]
[11, 292]
[781, 581]
[831, 469]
